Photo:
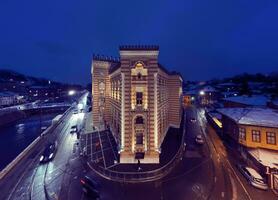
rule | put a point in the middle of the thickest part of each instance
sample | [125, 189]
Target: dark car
[73, 129]
[49, 152]
[90, 187]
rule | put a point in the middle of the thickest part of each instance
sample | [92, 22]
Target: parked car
[90, 187]
[199, 139]
[49, 152]
[193, 120]
[253, 177]
[75, 111]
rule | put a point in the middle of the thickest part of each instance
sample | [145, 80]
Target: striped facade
[137, 99]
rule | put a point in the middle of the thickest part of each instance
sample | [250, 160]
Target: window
[242, 133]
[139, 120]
[139, 98]
[256, 136]
[270, 138]
[139, 76]
[139, 138]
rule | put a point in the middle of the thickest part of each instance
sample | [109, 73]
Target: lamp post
[71, 93]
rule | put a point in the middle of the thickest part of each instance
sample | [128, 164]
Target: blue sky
[202, 39]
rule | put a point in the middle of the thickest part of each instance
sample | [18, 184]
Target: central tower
[139, 67]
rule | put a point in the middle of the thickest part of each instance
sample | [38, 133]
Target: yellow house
[251, 127]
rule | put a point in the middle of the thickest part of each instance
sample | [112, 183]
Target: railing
[144, 176]
[28, 149]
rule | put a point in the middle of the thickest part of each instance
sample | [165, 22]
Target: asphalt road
[205, 172]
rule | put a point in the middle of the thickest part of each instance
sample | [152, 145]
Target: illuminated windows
[242, 133]
[256, 136]
[270, 138]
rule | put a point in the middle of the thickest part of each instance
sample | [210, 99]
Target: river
[15, 137]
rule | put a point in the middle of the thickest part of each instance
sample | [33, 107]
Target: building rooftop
[208, 89]
[252, 116]
[138, 47]
[106, 58]
[252, 101]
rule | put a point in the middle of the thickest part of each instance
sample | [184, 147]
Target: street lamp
[71, 92]
[202, 93]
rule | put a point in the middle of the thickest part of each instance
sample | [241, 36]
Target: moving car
[193, 120]
[199, 139]
[75, 111]
[73, 129]
[253, 177]
[90, 187]
[49, 152]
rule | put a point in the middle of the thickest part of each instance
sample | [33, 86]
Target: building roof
[208, 89]
[252, 116]
[267, 158]
[252, 101]
[106, 58]
[139, 47]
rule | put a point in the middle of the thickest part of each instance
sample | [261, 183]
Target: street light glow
[71, 92]
[202, 93]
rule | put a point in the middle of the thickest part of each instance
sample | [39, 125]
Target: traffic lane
[37, 185]
[223, 187]
[191, 179]
[59, 165]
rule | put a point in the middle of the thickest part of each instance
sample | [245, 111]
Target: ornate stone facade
[137, 99]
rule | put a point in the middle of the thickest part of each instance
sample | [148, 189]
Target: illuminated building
[137, 99]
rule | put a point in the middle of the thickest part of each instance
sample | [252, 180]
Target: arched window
[139, 120]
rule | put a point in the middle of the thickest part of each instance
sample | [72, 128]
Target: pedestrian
[138, 163]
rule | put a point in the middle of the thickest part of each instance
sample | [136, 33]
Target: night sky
[202, 39]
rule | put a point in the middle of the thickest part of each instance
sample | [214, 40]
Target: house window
[139, 98]
[139, 138]
[270, 138]
[256, 136]
[242, 133]
[139, 120]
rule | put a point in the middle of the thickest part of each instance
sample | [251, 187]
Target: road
[205, 172]
[43, 181]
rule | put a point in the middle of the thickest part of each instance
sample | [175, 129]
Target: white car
[253, 177]
[199, 139]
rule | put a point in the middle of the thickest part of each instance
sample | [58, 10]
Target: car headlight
[41, 158]
[51, 155]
